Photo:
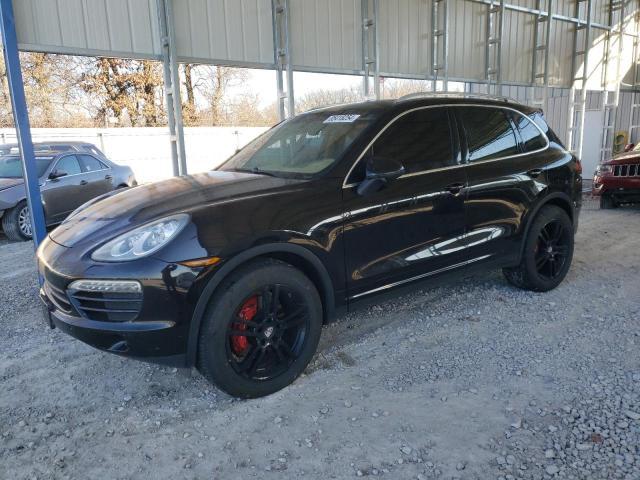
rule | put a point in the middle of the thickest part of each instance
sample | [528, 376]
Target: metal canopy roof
[325, 36]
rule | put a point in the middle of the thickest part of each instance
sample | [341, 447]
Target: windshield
[302, 147]
[11, 167]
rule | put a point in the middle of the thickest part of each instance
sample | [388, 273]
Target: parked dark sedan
[234, 271]
[67, 180]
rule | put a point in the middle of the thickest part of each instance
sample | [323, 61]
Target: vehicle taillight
[578, 167]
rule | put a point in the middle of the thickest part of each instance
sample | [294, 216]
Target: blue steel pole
[21, 120]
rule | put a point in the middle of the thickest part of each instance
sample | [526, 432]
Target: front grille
[632, 170]
[107, 306]
[58, 298]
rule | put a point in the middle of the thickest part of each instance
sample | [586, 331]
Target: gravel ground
[473, 380]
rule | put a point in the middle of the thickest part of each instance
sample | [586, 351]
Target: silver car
[67, 180]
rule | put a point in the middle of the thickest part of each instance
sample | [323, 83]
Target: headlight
[604, 169]
[142, 241]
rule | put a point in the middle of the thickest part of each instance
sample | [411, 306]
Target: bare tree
[323, 98]
[125, 89]
[396, 88]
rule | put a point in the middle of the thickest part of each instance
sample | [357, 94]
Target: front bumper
[158, 333]
[131, 339]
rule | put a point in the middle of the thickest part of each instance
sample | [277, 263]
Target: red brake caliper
[240, 343]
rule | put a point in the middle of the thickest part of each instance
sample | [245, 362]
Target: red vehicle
[618, 181]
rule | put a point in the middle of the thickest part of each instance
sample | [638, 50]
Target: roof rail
[487, 96]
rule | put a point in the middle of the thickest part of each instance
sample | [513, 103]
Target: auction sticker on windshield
[341, 119]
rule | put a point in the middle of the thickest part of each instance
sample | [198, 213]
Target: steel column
[168, 89]
[611, 98]
[578, 94]
[634, 114]
[171, 76]
[439, 44]
[21, 120]
[370, 48]
[493, 46]
[282, 58]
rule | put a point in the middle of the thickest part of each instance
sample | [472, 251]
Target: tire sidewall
[547, 214]
[11, 226]
[212, 349]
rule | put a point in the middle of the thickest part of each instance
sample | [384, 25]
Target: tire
[242, 305]
[13, 223]
[547, 254]
[607, 203]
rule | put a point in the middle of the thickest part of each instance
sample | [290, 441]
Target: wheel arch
[295, 255]
[559, 199]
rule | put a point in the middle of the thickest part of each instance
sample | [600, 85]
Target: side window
[69, 164]
[92, 149]
[531, 137]
[420, 140]
[489, 133]
[91, 164]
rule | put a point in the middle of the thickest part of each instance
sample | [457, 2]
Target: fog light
[110, 286]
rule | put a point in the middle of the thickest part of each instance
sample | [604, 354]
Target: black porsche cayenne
[235, 270]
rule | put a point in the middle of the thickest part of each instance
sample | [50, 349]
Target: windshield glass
[302, 147]
[11, 167]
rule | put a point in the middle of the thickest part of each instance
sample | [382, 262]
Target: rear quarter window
[531, 137]
[489, 133]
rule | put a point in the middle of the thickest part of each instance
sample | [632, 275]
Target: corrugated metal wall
[127, 28]
[325, 36]
[224, 31]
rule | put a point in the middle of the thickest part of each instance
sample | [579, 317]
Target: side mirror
[380, 172]
[57, 174]
[628, 147]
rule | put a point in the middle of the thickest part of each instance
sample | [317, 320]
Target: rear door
[409, 229]
[98, 175]
[505, 171]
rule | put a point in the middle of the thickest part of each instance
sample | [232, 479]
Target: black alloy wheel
[267, 332]
[552, 249]
[547, 251]
[260, 330]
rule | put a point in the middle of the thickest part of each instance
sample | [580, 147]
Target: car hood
[10, 182]
[624, 158]
[132, 207]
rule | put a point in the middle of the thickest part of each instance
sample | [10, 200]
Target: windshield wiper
[255, 170]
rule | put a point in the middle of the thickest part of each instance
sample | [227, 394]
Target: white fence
[147, 150]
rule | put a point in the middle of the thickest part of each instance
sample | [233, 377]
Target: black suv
[234, 271]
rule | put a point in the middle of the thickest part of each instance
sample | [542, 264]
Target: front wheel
[260, 330]
[548, 251]
[16, 223]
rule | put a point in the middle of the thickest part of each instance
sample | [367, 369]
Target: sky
[263, 82]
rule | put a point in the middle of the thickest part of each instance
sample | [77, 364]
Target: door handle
[454, 188]
[535, 172]
[108, 177]
[83, 182]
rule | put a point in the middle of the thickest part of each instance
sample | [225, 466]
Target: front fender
[327, 289]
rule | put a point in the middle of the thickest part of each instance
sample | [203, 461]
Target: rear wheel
[606, 202]
[548, 251]
[260, 330]
[16, 223]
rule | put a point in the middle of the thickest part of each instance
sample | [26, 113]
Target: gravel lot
[471, 380]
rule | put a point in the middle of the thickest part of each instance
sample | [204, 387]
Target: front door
[62, 195]
[410, 228]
